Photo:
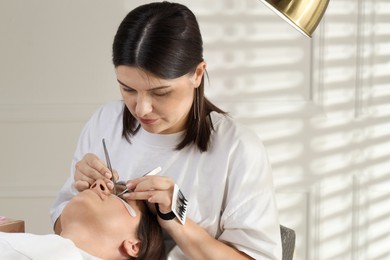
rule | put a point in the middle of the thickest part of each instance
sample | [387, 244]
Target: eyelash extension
[179, 204]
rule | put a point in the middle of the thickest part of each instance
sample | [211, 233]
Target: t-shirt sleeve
[254, 229]
[250, 220]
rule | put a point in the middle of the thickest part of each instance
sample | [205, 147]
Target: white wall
[321, 106]
[55, 70]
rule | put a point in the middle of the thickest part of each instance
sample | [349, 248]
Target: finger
[152, 196]
[79, 176]
[88, 176]
[110, 185]
[143, 195]
[81, 185]
[84, 182]
[150, 183]
[163, 199]
[91, 167]
[99, 166]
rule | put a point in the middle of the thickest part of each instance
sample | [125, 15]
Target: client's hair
[150, 234]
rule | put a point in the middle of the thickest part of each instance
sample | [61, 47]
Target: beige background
[321, 106]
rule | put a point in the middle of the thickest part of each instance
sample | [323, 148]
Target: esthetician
[164, 120]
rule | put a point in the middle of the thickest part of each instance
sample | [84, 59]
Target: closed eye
[127, 89]
[161, 93]
[121, 188]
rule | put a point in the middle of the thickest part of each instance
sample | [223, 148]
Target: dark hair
[164, 39]
[150, 234]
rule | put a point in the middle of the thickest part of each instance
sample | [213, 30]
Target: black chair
[288, 242]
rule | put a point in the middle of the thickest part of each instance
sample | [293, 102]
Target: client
[95, 225]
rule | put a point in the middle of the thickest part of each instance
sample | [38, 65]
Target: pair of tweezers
[152, 172]
[109, 165]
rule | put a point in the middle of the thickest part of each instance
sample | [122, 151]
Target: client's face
[97, 214]
[98, 205]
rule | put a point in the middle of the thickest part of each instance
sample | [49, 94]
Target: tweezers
[109, 165]
[152, 172]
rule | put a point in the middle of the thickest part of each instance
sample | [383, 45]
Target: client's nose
[101, 187]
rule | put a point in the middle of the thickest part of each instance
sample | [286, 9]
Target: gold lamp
[304, 15]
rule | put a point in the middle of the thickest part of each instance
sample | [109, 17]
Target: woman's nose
[101, 187]
[144, 105]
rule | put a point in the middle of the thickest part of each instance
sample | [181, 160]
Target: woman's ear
[199, 71]
[132, 247]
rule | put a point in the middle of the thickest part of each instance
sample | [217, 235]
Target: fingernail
[126, 195]
[130, 185]
[107, 174]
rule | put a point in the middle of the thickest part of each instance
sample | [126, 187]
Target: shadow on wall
[321, 107]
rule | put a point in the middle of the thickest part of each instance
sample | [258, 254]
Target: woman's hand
[154, 189]
[89, 169]
[195, 242]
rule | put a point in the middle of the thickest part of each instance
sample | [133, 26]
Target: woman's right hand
[89, 169]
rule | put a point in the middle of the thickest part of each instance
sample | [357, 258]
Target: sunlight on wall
[321, 150]
[352, 212]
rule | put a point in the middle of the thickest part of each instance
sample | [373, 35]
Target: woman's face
[160, 106]
[98, 210]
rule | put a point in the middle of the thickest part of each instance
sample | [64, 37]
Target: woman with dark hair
[225, 207]
[96, 224]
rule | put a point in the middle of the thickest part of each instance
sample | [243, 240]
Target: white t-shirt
[23, 246]
[229, 188]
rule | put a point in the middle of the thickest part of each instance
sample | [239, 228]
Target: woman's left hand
[194, 240]
[154, 189]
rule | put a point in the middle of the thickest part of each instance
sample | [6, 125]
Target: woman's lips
[148, 121]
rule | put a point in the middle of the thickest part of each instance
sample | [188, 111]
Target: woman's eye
[161, 93]
[126, 89]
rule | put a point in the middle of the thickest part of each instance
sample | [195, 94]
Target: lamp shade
[304, 15]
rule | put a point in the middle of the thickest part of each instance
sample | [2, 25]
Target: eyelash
[161, 94]
[129, 90]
